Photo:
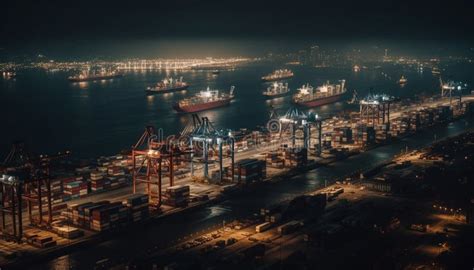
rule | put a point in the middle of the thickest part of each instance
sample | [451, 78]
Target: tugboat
[205, 100]
[324, 94]
[277, 75]
[276, 90]
[168, 85]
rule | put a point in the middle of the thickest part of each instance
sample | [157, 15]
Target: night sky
[34, 22]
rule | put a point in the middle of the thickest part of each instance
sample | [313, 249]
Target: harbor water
[102, 118]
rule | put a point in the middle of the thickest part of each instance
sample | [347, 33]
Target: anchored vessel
[95, 76]
[324, 94]
[402, 80]
[168, 85]
[277, 90]
[205, 100]
[277, 75]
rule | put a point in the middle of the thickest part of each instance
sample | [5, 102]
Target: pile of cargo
[114, 161]
[326, 140]
[399, 126]
[57, 191]
[250, 170]
[341, 135]
[138, 205]
[108, 216]
[363, 135]
[177, 196]
[98, 181]
[74, 189]
[80, 214]
[101, 182]
[39, 238]
[295, 157]
[382, 132]
[68, 232]
[275, 160]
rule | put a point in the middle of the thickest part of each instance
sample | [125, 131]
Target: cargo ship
[86, 76]
[277, 75]
[204, 100]
[277, 90]
[167, 85]
[324, 94]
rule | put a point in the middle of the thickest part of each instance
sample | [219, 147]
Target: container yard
[78, 202]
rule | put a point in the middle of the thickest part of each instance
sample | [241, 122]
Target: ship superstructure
[277, 75]
[277, 90]
[204, 100]
[324, 94]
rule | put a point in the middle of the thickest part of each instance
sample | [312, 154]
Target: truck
[262, 227]
[289, 227]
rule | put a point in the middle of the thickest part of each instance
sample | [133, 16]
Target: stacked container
[138, 205]
[112, 215]
[295, 157]
[74, 190]
[250, 170]
[177, 196]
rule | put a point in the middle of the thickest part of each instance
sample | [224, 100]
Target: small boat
[402, 80]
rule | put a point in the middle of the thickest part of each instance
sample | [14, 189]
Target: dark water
[101, 118]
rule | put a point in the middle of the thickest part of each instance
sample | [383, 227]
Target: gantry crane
[295, 119]
[376, 108]
[25, 177]
[203, 138]
[149, 155]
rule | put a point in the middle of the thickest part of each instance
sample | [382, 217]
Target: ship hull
[169, 90]
[276, 79]
[319, 101]
[201, 107]
[95, 78]
[276, 95]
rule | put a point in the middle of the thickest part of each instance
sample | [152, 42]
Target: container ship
[205, 100]
[277, 75]
[277, 90]
[325, 94]
[168, 85]
[102, 75]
